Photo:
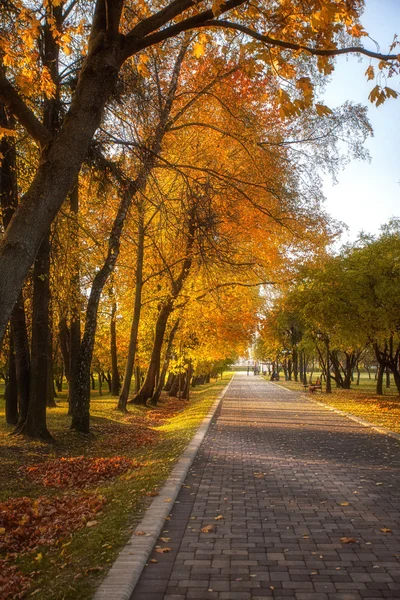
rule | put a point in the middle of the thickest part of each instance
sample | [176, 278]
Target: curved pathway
[303, 504]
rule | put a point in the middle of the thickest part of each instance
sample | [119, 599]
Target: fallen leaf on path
[386, 530]
[348, 540]
[218, 518]
[163, 550]
[207, 529]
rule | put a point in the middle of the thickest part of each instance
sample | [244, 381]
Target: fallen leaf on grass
[91, 523]
[79, 471]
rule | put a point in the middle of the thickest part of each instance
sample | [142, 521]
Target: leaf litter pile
[29, 526]
[79, 472]
[26, 525]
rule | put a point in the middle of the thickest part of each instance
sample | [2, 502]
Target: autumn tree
[100, 45]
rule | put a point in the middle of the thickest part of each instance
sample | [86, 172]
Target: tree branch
[22, 112]
[205, 19]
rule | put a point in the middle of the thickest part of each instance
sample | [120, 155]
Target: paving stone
[278, 468]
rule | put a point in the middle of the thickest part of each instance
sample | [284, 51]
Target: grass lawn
[59, 541]
[360, 401]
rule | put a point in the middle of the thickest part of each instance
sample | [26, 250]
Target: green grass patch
[73, 567]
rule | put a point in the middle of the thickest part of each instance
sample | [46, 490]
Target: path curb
[363, 422]
[126, 570]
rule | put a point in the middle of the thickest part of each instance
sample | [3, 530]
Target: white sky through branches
[368, 194]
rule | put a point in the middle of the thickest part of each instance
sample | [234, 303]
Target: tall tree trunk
[75, 294]
[328, 375]
[80, 388]
[50, 400]
[51, 403]
[64, 335]
[11, 393]
[147, 389]
[186, 387]
[175, 387]
[387, 372]
[115, 382]
[379, 380]
[35, 424]
[167, 358]
[295, 364]
[8, 203]
[130, 361]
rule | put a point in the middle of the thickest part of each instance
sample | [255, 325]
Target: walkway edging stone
[343, 413]
[368, 424]
[126, 570]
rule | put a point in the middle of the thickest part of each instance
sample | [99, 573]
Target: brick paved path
[290, 479]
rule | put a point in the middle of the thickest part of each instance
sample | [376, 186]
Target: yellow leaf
[323, 110]
[370, 73]
[357, 31]
[142, 65]
[198, 50]
[206, 529]
[216, 7]
[9, 132]
[386, 530]
[218, 518]
[344, 504]
[374, 95]
[163, 550]
[39, 557]
[2, 530]
[391, 93]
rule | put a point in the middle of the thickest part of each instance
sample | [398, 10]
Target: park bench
[313, 387]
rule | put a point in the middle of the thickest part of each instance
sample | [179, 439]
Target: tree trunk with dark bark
[35, 424]
[75, 295]
[379, 380]
[8, 203]
[11, 393]
[115, 382]
[130, 361]
[147, 389]
[328, 375]
[167, 358]
[173, 392]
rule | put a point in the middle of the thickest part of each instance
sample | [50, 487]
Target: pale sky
[368, 194]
